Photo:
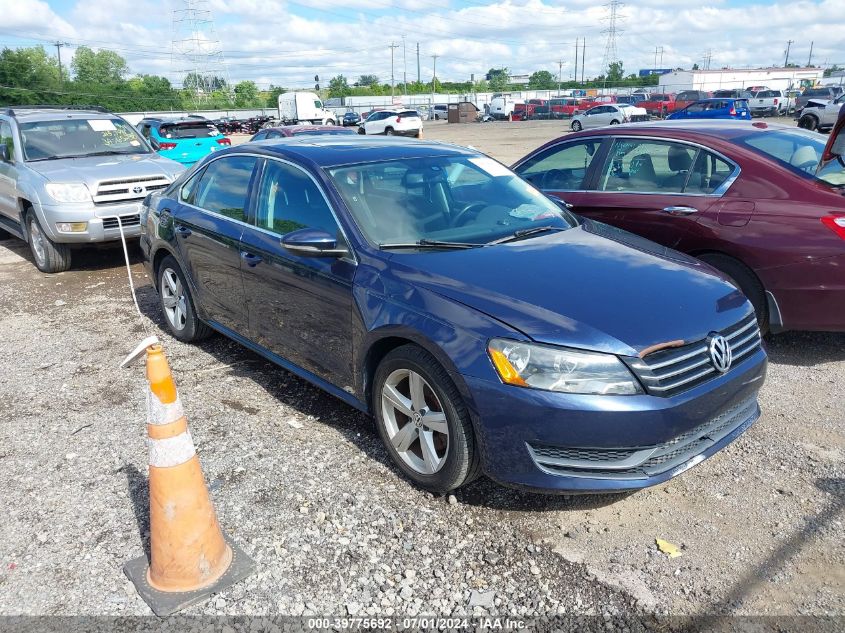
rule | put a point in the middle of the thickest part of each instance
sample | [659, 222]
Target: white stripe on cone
[160, 413]
[171, 451]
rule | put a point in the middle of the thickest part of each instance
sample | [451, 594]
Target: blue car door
[207, 225]
[300, 308]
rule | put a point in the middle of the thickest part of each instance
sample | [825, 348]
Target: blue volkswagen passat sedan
[485, 327]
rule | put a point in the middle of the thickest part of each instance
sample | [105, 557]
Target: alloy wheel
[173, 299]
[415, 421]
[37, 241]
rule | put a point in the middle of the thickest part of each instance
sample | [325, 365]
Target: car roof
[724, 129]
[346, 149]
[23, 113]
[303, 128]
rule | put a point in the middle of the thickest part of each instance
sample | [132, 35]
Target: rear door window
[224, 187]
[647, 166]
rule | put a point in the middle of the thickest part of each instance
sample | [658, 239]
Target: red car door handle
[680, 210]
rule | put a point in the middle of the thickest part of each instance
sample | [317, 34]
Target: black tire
[808, 122]
[743, 278]
[361, 130]
[193, 329]
[576, 126]
[462, 463]
[614, 122]
[53, 258]
[388, 131]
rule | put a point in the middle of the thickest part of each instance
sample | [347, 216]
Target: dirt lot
[302, 484]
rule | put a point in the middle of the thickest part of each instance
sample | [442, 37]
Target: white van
[304, 107]
[501, 107]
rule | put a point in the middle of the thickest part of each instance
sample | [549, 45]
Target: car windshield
[471, 200]
[75, 138]
[188, 130]
[322, 132]
[797, 149]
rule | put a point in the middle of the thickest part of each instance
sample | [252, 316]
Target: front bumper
[549, 442]
[101, 219]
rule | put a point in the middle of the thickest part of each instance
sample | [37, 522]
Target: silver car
[67, 175]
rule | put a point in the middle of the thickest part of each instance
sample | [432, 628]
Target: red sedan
[754, 200]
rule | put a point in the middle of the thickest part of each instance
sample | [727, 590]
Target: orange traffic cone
[190, 558]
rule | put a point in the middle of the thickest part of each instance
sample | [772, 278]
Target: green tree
[498, 78]
[339, 87]
[695, 67]
[246, 94]
[103, 67]
[367, 81]
[31, 76]
[271, 96]
[615, 72]
[542, 80]
[828, 72]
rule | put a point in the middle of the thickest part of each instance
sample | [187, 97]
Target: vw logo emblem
[720, 353]
[137, 190]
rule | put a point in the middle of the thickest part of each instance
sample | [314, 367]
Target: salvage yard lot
[302, 483]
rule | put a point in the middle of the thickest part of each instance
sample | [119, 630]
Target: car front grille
[114, 191]
[126, 220]
[648, 461]
[670, 371]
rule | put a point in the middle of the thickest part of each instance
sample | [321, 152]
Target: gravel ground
[301, 482]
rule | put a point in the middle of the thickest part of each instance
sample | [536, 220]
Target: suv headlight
[559, 369]
[68, 192]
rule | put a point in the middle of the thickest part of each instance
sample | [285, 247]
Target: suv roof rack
[11, 110]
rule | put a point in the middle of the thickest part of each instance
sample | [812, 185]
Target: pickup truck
[688, 97]
[564, 107]
[524, 111]
[659, 104]
[820, 114]
[767, 102]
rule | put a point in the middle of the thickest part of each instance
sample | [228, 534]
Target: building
[709, 80]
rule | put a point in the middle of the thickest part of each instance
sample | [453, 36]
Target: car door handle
[680, 210]
[251, 259]
[183, 231]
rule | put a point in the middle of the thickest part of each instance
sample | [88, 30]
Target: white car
[820, 114]
[390, 122]
[608, 114]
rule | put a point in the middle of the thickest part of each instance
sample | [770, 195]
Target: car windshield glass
[43, 140]
[188, 130]
[322, 132]
[466, 199]
[798, 150]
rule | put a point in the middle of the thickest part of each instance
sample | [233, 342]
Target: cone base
[164, 603]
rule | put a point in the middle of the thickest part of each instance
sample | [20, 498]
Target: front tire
[576, 126]
[389, 131]
[361, 130]
[49, 256]
[423, 422]
[177, 304]
[743, 278]
[808, 122]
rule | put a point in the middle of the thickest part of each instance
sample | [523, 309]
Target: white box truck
[501, 107]
[304, 107]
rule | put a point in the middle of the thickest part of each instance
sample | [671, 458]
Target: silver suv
[66, 175]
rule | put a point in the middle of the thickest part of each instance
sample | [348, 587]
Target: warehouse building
[709, 80]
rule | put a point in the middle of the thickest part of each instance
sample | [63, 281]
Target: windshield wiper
[523, 233]
[425, 243]
[110, 152]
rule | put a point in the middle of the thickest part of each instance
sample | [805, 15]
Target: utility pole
[583, 57]
[810, 58]
[788, 45]
[404, 67]
[559, 72]
[577, 43]
[418, 62]
[434, 79]
[392, 80]
[58, 46]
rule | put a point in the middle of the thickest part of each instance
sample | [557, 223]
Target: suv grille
[111, 191]
[671, 371]
[643, 462]
[126, 220]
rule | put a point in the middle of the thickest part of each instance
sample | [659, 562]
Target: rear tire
[456, 448]
[49, 256]
[614, 122]
[743, 278]
[389, 131]
[361, 130]
[177, 304]
[576, 126]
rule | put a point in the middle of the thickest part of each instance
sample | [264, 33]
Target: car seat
[641, 174]
[680, 161]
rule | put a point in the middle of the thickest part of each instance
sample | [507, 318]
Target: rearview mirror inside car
[312, 243]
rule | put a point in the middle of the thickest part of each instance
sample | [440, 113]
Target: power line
[58, 46]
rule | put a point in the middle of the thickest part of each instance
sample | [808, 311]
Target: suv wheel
[49, 256]
[177, 303]
[808, 122]
[423, 421]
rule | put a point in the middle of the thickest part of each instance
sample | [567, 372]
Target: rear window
[741, 104]
[816, 92]
[188, 130]
[766, 94]
[409, 113]
[659, 98]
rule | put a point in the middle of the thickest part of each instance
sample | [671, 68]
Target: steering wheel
[469, 208]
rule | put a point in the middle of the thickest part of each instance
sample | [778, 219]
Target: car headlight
[68, 192]
[559, 369]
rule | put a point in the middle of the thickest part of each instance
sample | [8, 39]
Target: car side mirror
[5, 155]
[559, 201]
[312, 243]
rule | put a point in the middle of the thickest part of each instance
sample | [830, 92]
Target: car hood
[592, 287]
[94, 169]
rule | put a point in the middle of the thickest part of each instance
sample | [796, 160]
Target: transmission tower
[196, 57]
[613, 18]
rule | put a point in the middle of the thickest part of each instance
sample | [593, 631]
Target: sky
[286, 43]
